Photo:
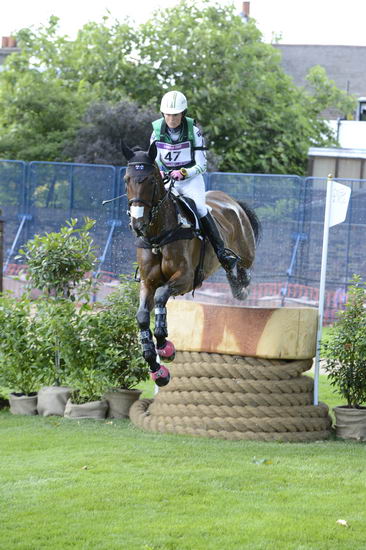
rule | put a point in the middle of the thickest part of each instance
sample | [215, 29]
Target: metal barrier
[13, 175]
[38, 197]
[1, 251]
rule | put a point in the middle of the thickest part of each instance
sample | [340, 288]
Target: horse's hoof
[167, 351]
[161, 377]
[242, 294]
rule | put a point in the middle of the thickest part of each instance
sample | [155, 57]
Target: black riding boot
[227, 260]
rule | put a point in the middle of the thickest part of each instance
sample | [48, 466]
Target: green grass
[107, 485]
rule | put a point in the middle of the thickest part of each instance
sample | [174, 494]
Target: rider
[181, 152]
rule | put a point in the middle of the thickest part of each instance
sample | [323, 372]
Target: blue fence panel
[40, 196]
[60, 191]
[123, 247]
[12, 204]
[277, 201]
[346, 249]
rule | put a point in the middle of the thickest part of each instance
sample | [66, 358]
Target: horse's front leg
[159, 373]
[165, 348]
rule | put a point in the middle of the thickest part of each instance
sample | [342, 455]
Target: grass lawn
[107, 485]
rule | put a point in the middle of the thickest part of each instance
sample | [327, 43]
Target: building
[8, 46]
[346, 65]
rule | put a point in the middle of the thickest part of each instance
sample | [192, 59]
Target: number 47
[168, 156]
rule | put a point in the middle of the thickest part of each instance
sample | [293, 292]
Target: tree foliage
[57, 262]
[255, 119]
[105, 125]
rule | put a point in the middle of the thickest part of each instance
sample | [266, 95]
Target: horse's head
[142, 178]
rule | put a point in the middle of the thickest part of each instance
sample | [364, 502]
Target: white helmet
[173, 103]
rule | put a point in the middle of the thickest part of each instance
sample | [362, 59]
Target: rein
[154, 208]
[156, 242]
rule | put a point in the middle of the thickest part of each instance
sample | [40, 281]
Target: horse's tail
[254, 220]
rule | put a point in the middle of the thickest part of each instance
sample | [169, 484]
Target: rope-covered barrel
[265, 406]
[235, 396]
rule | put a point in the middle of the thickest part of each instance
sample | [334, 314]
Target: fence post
[1, 251]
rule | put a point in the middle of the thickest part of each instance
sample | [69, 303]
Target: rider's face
[173, 121]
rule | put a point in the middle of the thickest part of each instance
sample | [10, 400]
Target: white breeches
[194, 188]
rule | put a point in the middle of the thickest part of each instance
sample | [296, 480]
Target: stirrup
[227, 259]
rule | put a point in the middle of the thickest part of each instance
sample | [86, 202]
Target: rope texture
[234, 366]
[234, 398]
[140, 417]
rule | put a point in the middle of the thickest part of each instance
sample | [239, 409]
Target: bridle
[154, 208]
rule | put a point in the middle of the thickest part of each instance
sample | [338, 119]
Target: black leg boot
[226, 259]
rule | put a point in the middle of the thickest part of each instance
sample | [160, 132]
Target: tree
[46, 88]
[105, 125]
[38, 112]
[254, 117]
[38, 116]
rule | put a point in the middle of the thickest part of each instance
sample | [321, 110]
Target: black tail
[254, 220]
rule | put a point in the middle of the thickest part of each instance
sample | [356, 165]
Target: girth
[166, 237]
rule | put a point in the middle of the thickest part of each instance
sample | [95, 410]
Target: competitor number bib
[175, 154]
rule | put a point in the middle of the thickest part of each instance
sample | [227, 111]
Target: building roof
[346, 65]
[337, 152]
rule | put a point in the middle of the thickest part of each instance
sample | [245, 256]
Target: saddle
[187, 212]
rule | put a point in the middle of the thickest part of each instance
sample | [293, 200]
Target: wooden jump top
[273, 333]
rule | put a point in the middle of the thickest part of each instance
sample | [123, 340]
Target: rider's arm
[199, 156]
[157, 160]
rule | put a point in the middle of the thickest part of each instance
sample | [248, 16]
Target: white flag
[339, 203]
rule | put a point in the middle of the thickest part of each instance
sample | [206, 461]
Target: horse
[173, 260]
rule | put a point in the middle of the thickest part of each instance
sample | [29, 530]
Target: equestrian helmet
[173, 103]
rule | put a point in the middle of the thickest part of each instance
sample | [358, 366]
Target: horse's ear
[152, 152]
[128, 153]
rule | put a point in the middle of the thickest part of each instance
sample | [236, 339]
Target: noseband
[139, 168]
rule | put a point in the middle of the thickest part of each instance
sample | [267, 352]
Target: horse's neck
[166, 217]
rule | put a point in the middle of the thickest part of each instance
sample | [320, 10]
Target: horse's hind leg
[244, 276]
[165, 348]
[158, 372]
[238, 282]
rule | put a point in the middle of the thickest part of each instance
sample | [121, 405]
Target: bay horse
[168, 256]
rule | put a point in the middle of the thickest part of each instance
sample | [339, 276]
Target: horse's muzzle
[139, 227]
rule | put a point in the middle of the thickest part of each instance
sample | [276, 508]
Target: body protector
[179, 154]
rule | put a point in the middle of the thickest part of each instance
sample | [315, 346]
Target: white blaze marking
[137, 211]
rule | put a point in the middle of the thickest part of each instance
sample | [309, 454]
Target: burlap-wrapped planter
[235, 397]
[120, 402]
[52, 400]
[23, 404]
[93, 409]
[350, 423]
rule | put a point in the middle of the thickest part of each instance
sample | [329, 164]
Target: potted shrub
[95, 349]
[84, 355]
[54, 325]
[125, 366]
[57, 265]
[344, 352]
[23, 357]
[107, 360]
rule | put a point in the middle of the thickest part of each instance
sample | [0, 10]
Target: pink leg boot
[167, 352]
[161, 377]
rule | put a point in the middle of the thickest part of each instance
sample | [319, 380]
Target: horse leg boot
[158, 372]
[226, 259]
[165, 348]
